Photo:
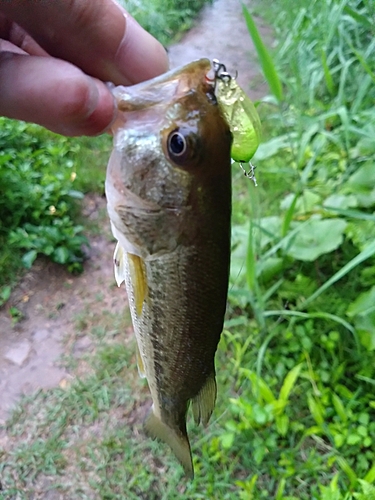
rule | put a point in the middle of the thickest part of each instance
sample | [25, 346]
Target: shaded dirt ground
[50, 299]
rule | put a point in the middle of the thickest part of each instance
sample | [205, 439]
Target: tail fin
[176, 439]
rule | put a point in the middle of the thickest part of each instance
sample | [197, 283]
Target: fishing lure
[241, 116]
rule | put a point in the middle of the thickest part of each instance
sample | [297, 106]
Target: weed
[301, 290]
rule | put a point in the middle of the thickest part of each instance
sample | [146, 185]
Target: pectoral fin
[139, 280]
[175, 438]
[204, 402]
[119, 263]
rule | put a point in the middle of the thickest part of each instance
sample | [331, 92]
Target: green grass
[165, 19]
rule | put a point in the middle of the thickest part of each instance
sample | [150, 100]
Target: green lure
[241, 115]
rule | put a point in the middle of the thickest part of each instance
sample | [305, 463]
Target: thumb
[98, 36]
[54, 94]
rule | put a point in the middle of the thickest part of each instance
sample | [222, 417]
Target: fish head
[171, 151]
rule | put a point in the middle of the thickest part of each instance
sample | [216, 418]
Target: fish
[168, 189]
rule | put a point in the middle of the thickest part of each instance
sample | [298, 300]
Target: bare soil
[49, 298]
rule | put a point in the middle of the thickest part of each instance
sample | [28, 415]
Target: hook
[251, 173]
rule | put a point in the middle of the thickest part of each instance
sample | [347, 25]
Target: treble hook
[221, 73]
[251, 173]
[218, 67]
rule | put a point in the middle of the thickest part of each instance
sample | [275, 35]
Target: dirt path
[50, 299]
[221, 33]
[51, 302]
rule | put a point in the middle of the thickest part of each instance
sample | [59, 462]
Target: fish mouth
[147, 94]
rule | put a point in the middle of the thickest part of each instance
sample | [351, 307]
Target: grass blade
[304, 315]
[364, 64]
[313, 315]
[364, 255]
[327, 74]
[265, 58]
[350, 213]
[289, 215]
[358, 17]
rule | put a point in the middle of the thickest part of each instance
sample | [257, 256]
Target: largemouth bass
[168, 189]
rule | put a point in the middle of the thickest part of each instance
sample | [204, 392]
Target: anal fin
[204, 402]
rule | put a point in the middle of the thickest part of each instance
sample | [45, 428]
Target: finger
[16, 35]
[6, 46]
[53, 93]
[97, 36]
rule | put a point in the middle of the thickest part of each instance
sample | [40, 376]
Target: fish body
[168, 189]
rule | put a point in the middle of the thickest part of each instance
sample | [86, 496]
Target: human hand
[55, 55]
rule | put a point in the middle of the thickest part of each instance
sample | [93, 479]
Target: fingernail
[104, 114]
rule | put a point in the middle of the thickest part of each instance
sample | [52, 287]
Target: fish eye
[176, 144]
[183, 146]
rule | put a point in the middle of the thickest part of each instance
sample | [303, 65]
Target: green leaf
[258, 384]
[339, 407]
[280, 489]
[28, 258]
[365, 326]
[368, 490]
[75, 194]
[289, 382]
[370, 476]
[282, 424]
[317, 238]
[61, 255]
[353, 439]
[339, 440]
[265, 59]
[363, 305]
[363, 177]
[4, 294]
[259, 453]
[273, 146]
[340, 202]
[345, 467]
[316, 410]
[362, 184]
[227, 440]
